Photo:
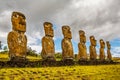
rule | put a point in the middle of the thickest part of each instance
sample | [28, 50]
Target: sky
[100, 18]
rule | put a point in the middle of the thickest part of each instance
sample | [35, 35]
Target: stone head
[82, 36]
[18, 22]
[93, 41]
[48, 27]
[66, 32]
[102, 43]
[108, 45]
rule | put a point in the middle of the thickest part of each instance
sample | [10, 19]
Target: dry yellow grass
[78, 72]
[100, 72]
[4, 57]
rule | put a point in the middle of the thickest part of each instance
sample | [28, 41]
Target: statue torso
[93, 53]
[67, 48]
[47, 46]
[82, 51]
[17, 42]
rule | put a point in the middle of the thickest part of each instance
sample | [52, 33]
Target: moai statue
[17, 40]
[82, 55]
[67, 48]
[48, 49]
[102, 52]
[92, 49]
[0, 45]
[109, 56]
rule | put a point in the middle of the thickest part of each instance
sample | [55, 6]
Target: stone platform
[40, 63]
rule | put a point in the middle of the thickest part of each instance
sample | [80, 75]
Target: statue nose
[69, 32]
[22, 22]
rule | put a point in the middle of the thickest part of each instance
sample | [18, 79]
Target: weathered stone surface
[68, 61]
[17, 40]
[48, 49]
[48, 62]
[39, 63]
[109, 55]
[67, 48]
[82, 55]
[102, 52]
[92, 49]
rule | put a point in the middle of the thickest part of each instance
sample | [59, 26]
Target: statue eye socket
[17, 16]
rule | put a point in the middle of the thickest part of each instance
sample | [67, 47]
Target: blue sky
[100, 18]
[115, 43]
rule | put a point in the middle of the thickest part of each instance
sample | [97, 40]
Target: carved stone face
[102, 43]
[82, 36]
[93, 41]
[48, 27]
[18, 21]
[108, 45]
[66, 32]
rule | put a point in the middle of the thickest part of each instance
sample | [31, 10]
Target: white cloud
[97, 17]
[115, 51]
[5, 16]
[37, 48]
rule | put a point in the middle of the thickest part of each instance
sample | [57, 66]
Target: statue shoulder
[64, 40]
[12, 34]
[44, 38]
[90, 46]
[79, 44]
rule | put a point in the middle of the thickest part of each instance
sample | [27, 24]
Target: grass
[4, 57]
[101, 72]
[77, 72]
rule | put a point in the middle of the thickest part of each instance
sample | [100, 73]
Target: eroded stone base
[68, 61]
[18, 59]
[82, 61]
[18, 62]
[48, 62]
